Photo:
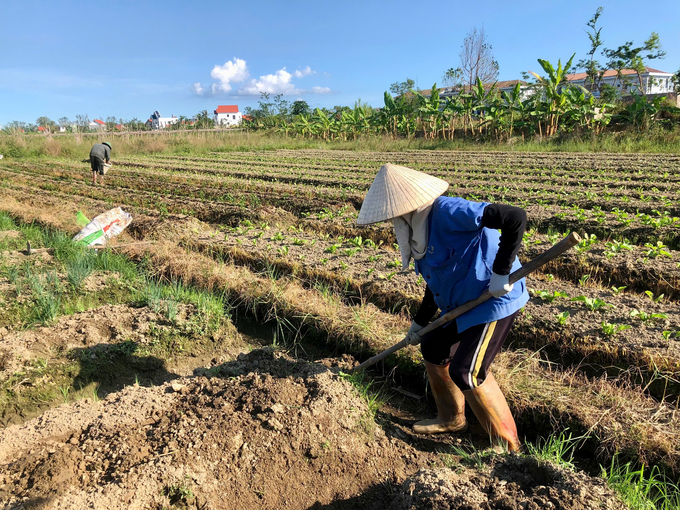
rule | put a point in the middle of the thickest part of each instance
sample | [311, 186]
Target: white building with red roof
[227, 115]
[97, 125]
[653, 81]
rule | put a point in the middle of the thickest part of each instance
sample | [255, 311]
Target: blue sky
[129, 58]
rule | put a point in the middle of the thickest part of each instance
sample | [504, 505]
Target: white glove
[412, 334]
[499, 285]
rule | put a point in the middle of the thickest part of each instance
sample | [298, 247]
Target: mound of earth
[263, 431]
[508, 483]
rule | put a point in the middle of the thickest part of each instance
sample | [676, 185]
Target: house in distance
[156, 121]
[227, 115]
[626, 81]
[97, 125]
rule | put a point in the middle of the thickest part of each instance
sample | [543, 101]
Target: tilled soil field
[137, 378]
[266, 431]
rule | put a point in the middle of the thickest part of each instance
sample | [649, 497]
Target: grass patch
[640, 488]
[75, 279]
[374, 397]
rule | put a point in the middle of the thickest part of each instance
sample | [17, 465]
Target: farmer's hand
[412, 334]
[499, 285]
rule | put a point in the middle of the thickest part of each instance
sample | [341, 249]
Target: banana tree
[429, 112]
[513, 107]
[451, 111]
[323, 123]
[552, 87]
[303, 125]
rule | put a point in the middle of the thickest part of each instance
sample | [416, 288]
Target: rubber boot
[491, 409]
[450, 403]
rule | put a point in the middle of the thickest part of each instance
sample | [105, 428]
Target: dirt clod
[508, 483]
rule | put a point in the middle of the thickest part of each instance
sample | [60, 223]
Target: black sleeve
[512, 222]
[427, 309]
[107, 154]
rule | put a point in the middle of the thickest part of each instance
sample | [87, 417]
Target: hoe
[557, 250]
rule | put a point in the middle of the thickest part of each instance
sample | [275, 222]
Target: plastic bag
[104, 227]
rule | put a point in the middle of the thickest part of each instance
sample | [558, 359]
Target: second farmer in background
[100, 158]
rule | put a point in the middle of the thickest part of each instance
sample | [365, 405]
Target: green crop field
[267, 240]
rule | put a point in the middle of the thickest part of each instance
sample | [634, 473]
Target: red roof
[611, 72]
[227, 108]
[100, 122]
[247, 117]
[40, 128]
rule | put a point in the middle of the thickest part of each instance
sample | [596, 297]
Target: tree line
[475, 106]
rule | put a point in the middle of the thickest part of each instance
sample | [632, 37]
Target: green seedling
[644, 316]
[370, 244]
[667, 335]
[391, 275]
[324, 261]
[394, 263]
[350, 252]
[374, 258]
[657, 250]
[586, 243]
[333, 248]
[656, 299]
[356, 241]
[277, 237]
[343, 266]
[550, 296]
[582, 281]
[592, 304]
[611, 330]
[562, 318]
[616, 247]
[282, 251]
[299, 242]
[617, 290]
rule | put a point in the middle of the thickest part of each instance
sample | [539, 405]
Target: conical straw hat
[398, 190]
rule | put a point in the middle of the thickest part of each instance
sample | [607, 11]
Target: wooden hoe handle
[554, 252]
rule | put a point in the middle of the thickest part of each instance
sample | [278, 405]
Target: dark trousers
[97, 165]
[469, 353]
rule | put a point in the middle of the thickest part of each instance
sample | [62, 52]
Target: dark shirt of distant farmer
[101, 151]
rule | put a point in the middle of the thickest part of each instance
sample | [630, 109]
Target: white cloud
[236, 71]
[277, 83]
[197, 89]
[306, 71]
[281, 83]
[320, 90]
[232, 71]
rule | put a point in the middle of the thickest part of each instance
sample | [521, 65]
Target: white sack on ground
[104, 227]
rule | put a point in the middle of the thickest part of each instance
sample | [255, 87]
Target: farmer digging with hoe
[100, 155]
[460, 253]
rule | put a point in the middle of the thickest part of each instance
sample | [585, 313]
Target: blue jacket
[459, 259]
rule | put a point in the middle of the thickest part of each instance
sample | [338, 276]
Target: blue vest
[459, 259]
